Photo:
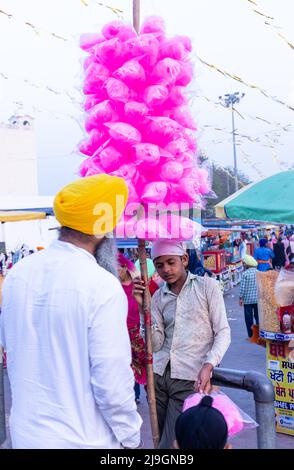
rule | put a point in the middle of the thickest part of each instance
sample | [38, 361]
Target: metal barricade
[263, 393]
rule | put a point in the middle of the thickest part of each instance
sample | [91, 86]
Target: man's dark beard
[106, 255]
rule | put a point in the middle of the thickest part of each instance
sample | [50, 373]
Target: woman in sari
[127, 272]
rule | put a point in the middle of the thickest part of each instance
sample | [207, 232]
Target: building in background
[18, 160]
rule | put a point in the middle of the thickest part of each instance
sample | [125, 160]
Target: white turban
[167, 248]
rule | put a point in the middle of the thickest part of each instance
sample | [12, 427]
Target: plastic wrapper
[237, 420]
[154, 192]
[171, 171]
[135, 110]
[88, 40]
[284, 287]
[182, 115]
[153, 24]
[109, 53]
[155, 95]
[168, 71]
[172, 48]
[137, 118]
[90, 145]
[118, 29]
[110, 158]
[163, 129]
[123, 132]
[147, 154]
[117, 90]
[145, 47]
[132, 73]
[95, 77]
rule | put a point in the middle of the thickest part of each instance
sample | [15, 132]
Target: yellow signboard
[280, 370]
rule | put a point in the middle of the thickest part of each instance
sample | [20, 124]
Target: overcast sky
[225, 33]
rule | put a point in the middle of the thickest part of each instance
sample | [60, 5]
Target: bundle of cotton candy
[237, 420]
[137, 117]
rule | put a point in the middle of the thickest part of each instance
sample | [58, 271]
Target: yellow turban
[91, 205]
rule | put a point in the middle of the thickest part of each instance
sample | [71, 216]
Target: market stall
[270, 201]
[276, 315]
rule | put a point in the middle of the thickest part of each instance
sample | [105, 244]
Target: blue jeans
[250, 311]
[137, 391]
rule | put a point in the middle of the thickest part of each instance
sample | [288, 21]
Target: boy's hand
[241, 303]
[138, 290]
[203, 384]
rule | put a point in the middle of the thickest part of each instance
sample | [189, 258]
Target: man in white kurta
[63, 325]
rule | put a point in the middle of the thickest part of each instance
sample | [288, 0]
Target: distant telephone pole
[229, 100]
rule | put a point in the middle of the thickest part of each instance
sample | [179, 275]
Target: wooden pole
[148, 346]
[147, 303]
[136, 14]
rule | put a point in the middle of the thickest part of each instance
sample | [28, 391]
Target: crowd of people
[274, 252]
[70, 324]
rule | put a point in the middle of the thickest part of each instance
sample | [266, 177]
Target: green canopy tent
[269, 200]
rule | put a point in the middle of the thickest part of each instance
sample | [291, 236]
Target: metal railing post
[263, 392]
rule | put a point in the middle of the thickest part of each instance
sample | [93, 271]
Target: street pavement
[241, 355]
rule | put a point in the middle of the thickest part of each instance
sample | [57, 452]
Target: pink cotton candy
[182, 228]
[135, 110]
[109, 53]
[90, 167]
[187, 160]
[188, 188]
[155, 95]
[128, 173]
[201, 175]
[110, 158]
[185, 74]
[132, 73]
[91, 100]
[118, 29]
[144, 47]
[91, 59]
[147, 154]
[176, 97]
[153, 24]
[171, 171]
[99, 114]
[90, 39]
[154, 192]
[186, 41]
[182, 115]
[95, 78]
[140, 127]
[222, 403]
[123, 132]
[172, 48]
[150, 229]
[177, 147]
[95, 139]
[163, 129]
[117, 90]
[167, 71]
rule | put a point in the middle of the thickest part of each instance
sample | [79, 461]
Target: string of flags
[269, 21]
[247, 84]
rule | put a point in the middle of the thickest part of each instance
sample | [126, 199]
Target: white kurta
[63, 324]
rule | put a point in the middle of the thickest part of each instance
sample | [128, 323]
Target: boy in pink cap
[190, 333]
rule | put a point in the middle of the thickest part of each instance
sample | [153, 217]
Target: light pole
[229, 100]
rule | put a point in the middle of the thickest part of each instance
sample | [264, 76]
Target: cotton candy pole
[147, 304]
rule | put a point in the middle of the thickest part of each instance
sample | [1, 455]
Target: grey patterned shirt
[190, 329]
